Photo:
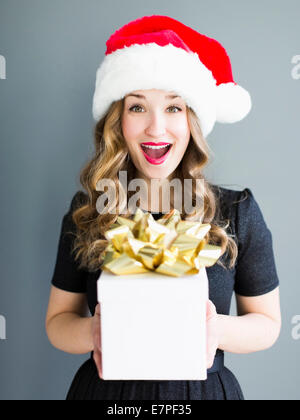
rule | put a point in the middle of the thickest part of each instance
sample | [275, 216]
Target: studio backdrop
[49, 52]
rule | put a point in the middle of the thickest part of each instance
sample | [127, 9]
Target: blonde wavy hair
[111, 156]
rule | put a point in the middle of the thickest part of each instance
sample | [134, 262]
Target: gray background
[52, 51]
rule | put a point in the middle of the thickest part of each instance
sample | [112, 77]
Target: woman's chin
[156, 172]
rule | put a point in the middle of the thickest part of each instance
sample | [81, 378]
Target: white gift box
[153, 326]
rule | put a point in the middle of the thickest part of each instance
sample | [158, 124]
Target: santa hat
[158, 52]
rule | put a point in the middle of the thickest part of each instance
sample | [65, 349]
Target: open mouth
[156, 152]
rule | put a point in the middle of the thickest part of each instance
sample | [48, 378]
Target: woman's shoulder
[79, 198]
[229, 200]
[228, 195]
[245, 213]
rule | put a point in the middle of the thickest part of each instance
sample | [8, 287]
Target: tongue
[156, 153]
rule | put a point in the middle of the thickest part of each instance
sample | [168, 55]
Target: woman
[163, 82]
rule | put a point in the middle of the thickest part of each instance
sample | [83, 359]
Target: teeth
[155, 147]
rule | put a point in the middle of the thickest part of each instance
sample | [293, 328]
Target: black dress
[254, 274]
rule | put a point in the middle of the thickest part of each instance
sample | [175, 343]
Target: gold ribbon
[167, 246]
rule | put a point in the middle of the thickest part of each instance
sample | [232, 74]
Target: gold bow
[168, 246]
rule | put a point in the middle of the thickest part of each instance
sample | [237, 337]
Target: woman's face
[155, 116]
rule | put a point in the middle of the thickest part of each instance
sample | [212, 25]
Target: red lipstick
[150, 143]
[156, 161]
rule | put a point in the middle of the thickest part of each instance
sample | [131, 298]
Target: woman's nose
[156, 126]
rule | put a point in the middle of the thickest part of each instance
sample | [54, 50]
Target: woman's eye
[133, 107]
[171, 107]
[176, 107]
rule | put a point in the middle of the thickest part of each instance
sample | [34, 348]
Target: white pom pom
[233, 103]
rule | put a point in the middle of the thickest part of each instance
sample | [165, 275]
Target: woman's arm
[67, 325]
[257, 326]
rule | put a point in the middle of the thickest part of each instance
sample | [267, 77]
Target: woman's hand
[97, 340]
[213, 333]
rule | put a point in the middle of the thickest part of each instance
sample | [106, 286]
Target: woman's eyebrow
[143, 97]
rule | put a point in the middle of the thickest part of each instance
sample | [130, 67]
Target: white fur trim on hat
[150, 66]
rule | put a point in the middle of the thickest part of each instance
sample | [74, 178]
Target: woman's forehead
[148, 93]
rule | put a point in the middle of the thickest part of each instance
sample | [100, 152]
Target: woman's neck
[151, 197]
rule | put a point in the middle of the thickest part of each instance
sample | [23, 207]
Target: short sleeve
[67, 276]
[256, 272]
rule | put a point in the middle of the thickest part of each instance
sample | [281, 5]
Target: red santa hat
[159, 52]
